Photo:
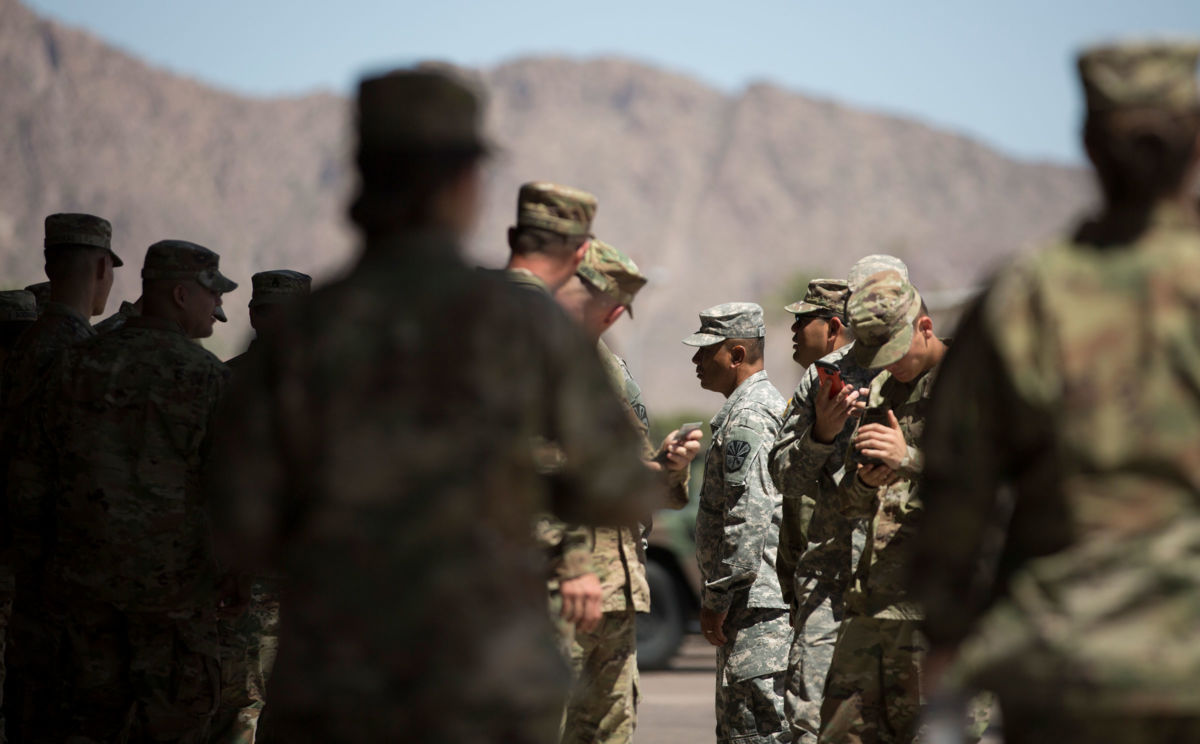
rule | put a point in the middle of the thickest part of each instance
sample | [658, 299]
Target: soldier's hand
[833, 413]
[582, 599]
[884, 443]
[877, 475]
[681, 452]
[713, 625]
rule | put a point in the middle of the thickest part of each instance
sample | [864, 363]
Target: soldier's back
[394, 476]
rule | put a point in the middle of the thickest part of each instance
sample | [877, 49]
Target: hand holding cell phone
[827, 372]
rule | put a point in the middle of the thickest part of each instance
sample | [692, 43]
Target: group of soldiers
[414, 509]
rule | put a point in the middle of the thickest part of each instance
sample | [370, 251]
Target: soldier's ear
[179, 295]
[925, 325]
[737, 354]
[613, 315]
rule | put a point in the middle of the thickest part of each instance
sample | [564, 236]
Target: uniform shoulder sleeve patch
[736, 452]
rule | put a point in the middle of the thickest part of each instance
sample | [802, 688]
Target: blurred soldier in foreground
[603, 703]
[737, 529]
[800, 468]
[129, 590]
[250, 640]
[873, 691]
[1071, 416]
[378, 454]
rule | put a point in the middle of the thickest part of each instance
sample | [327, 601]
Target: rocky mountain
[719, 197]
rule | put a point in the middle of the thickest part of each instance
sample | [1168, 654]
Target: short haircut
[528, 240]
[71, 261]
[755, 347]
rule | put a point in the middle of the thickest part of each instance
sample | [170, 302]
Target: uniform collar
[59, 308]
[738, 393]
[154, 324]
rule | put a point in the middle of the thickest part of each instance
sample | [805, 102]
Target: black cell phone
[829, 371]
[874, 415]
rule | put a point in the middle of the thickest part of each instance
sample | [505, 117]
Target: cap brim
[703, 339]
[803, 308]
[117, 262]
[219, 283]
[877, 357]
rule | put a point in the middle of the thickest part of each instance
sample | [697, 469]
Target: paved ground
[677, 704]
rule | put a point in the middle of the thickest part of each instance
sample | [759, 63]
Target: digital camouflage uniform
[393, 482]
[1073, 395]
[873, 692]
[818, 547]
[113, 482]
[737, 533]
[603, 704]
[58, 327]
[249, 642]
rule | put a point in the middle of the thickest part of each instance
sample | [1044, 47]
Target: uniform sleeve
[749, 504]
[979, 435]
[798, 504]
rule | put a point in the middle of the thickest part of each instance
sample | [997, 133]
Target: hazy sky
[1000, 70]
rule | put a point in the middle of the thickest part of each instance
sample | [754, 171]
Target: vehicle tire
[660, 633]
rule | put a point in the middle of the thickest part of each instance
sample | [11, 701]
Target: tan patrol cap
[882, 313]
[70, 229]
[611, 272]
[17, 305]
[560, 209]
[823, 296]
[279, 287]
[1143, 74]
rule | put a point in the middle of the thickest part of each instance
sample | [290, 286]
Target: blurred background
[737, 150]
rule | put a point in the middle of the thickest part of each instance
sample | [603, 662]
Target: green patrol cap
[69, 229]
[179, 259]
[611, 272]
[730, 320]
[419, 109]
[881, 315]
[823, 296]
[560, 209]
[17, 305]
[41, 293]
[868, 266]
[279, 287]
[1143, 74]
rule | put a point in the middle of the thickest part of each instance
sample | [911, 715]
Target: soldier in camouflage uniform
[18, 311]
[129, 589]
[80, 263]
[126, 311]
[546, 246]
[603, 703]
[377, 454]
[873, 691]
[737, 528]
[1067, 413]
[41, 294]
[250, 641]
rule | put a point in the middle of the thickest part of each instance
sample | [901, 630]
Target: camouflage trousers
[815, 629]
[114, 676]
[750, 677]
[602, 707]
[873, 692]
[248, 646]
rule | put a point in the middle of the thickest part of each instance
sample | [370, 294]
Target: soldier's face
[916, 360]
[714, 368]
[199, 306]
[810, 339]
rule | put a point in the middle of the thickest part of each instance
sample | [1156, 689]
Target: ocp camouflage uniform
[250, 641]
[1073, 394]
[737, 533]
[603, 704]
[129, 588]
[825, 546]
[395, 485]
[873, 691]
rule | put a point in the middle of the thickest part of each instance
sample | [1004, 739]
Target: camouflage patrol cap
[1144, 74]
[823, 296]
[279, 287]
[611, 272]
[41, 293]
[867, 266]
[17, 305]
[882, 313]
[179, 259]
[420, 109]
[560, 209]
[730, 320]
[69, 229]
